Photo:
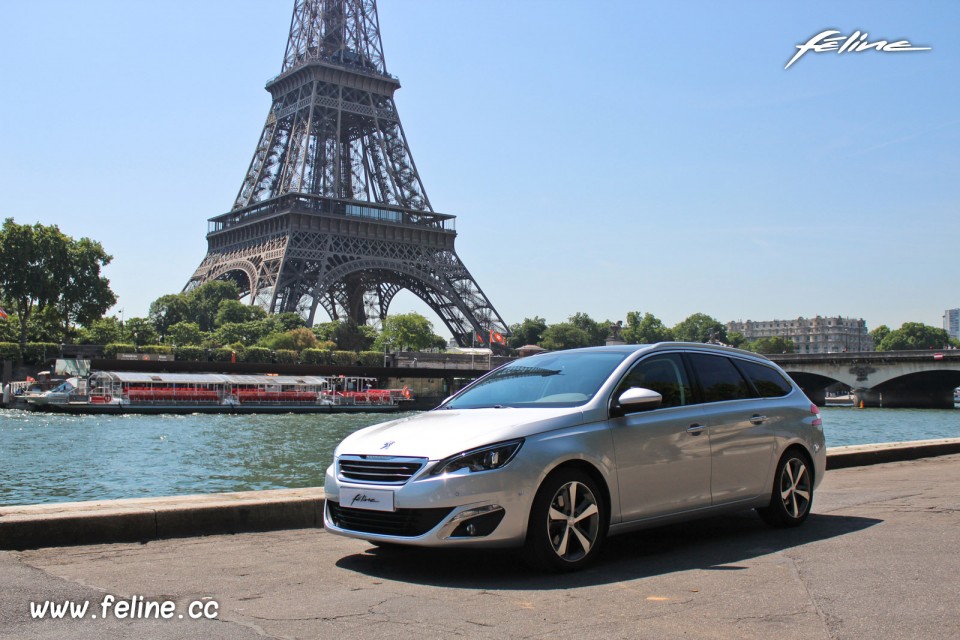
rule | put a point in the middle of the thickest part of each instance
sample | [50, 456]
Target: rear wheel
[792, 495]
[568, 522]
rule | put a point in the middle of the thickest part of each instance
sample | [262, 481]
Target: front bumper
[485, 509]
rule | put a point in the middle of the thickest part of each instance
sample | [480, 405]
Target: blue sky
[603, 157]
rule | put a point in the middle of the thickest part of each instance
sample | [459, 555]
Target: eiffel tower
[332, 212]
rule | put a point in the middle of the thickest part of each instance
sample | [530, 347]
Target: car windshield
[549, 380]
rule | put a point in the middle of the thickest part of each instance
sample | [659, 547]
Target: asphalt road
[878, 558]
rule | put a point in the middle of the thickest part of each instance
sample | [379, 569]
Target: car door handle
[758, 419]
[695, 429]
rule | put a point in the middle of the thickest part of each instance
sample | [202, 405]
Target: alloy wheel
[573, 521]
[795, 487]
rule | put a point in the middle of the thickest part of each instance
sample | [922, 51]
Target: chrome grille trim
[388, 470]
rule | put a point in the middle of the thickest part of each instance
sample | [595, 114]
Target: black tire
[568, 522]
[792, 495]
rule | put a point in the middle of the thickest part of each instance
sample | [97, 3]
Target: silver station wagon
[556, 451]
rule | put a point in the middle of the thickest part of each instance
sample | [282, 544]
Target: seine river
[54, 458]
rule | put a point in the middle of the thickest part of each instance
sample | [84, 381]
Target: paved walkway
[878, 558]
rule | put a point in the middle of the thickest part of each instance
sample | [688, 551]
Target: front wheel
[792, 494]
[568, 522]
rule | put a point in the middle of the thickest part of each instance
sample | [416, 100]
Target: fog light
[474, 523]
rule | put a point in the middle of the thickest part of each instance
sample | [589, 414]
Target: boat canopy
[137, 377]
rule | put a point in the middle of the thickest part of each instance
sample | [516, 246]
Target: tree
[347, 335]
[564, 335]
[406, 332]
[645, 330]
[295, 340]
[102, 331]
[530, 331]
[42, 269]
[775, 344]
[914, 336]
[140, 331]
[879, 334]
[167, 311]
[236, 311]
[700, 328]
[597, 331]
[204, 302]
[185, 334]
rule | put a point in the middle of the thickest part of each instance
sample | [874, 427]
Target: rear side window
[769, 382]
[719, 379]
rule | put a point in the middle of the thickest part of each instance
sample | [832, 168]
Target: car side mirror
[639, 399]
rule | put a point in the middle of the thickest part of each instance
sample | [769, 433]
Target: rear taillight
[817, 421]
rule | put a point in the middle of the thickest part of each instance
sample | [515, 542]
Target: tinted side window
[663, 373]
[769, 382]
[719, 378]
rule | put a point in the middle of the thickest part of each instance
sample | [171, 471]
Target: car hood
[445, 432]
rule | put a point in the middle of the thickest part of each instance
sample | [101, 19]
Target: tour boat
[136, 392]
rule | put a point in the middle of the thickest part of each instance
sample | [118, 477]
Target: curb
[145, 519]
[861, 455]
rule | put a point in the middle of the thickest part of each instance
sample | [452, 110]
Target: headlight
[487, 458]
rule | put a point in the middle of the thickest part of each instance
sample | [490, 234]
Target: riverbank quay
[140, 520]
[876, 559]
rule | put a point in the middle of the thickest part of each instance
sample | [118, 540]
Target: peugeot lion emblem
[388, 444]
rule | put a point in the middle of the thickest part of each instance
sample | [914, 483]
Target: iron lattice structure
[332, 212]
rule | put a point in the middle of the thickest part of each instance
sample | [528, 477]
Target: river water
[48, 458]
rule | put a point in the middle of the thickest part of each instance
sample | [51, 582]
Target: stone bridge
[916, 379]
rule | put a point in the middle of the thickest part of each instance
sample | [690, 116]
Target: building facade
[833, 334]
[951, 323]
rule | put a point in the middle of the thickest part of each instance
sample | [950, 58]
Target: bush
[9, 351]
[224, 354]
[371, 359]
[345, 358]
[111, 350]
[285, 356]
[257, 354]
[40, 352]
[158, 349]
[316, 356]
[191, 354]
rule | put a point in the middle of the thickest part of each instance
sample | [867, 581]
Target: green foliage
[294, 340]
[700, 328]
[370, 359]
[159, 349]
[598, 332]
[257, 354]
[38, 353]
[243, 332]
[204, 302]
[346, 334]
[878, 335]
[41, 269]
[190, 354]
[102, 331]
[319, 356]
[530, 331]
[10, 351]
[345, 358]
[236, 311]
[113, 349]
[288, 321]
[646, 329]
[185, 333]
[914, 336]
[225, 354]
[167, 311]
[140, 331]
[9, 329]
[736, 339]
[406, 332]
[564, 335]
[771, 345]
[285, 356]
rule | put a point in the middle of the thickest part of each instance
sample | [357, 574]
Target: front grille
[379, 469]
[402, 522]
